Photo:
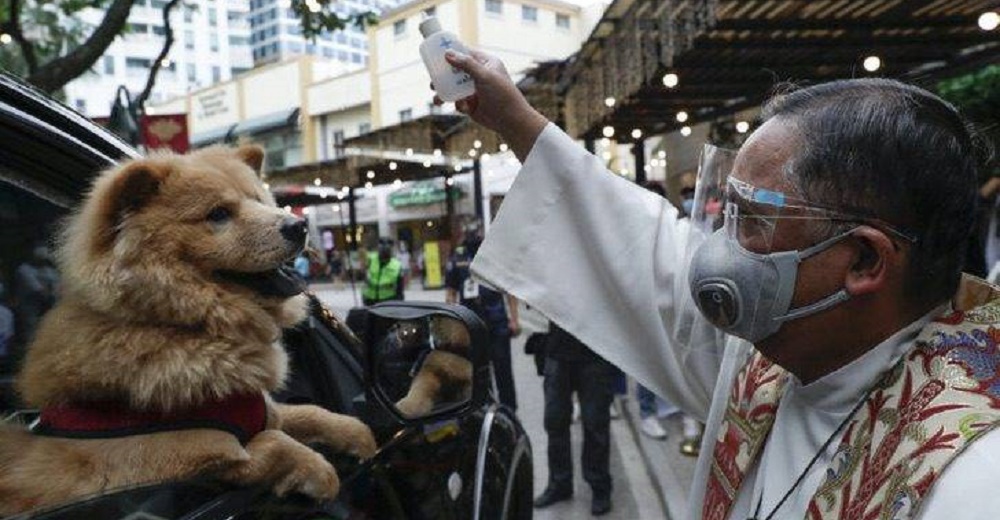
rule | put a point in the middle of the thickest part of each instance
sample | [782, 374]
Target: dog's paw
[310, 475]
[358, 439]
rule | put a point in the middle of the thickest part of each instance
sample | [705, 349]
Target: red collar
[243, 415]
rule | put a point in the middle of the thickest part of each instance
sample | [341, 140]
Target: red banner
[166, 131]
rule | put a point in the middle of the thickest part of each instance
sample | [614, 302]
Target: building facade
[277, 33]
[211, 45]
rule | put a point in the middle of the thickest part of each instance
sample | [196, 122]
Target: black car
[461, 457]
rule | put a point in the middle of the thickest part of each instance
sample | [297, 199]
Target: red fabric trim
[244, 414]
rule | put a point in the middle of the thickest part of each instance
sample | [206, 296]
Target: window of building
[238, 40]
[188, 14]
[81, 105]
[399, 28]
[158, 4]
[189, 40]
[192, 73]
[355, 57]
[430, 11]
[562, 21]
[159, 30]
[213, 17]
[494, 6]
[295, 47]
[137, 63]
[342, 56]
[216, 74]
[529, 13]
[137, 28]
[213, 42]
[338, 143]
[236, 71]
[364, 128]
[405, 115]
[109, 65]
[328, 52]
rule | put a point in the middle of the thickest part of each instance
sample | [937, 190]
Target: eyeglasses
[753, 213]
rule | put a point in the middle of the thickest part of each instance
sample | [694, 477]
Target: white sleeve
[967, 487]
[604, 259]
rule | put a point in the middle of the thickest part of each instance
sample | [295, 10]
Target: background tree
[977, 96]
[47, 44]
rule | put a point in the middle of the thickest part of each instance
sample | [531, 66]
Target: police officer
[500, 318]
[384, 277]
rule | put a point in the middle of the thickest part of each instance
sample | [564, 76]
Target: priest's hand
[497, 103]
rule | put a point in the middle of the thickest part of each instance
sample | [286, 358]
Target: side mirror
[425, 360]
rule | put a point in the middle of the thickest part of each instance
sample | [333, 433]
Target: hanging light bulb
[437, 152]
[370, 174]
[427, 163]
[685, 131]
[670, 80]
[682, 116]
[397, 183]
[872, 63]
[662, 154]
[368, 185]
[409, 152]
[393, 165]
[317, 182]
[477, 144]
[608, 131]
[609, 101]
[636, 134]
[742, 127]
[987, 21]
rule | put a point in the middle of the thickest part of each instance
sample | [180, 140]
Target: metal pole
[588, 144]
[477, 187]
[639, 151]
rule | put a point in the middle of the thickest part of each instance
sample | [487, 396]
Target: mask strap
[810, 251]
[822, 305]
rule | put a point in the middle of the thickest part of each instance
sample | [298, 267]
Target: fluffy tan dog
[444, 377]
[169, 325]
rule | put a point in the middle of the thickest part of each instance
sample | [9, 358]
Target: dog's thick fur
[145, 321]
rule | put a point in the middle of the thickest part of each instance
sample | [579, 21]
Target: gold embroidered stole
[940, 397]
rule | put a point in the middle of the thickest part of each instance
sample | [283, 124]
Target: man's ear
[873, 263]
[252, 155]
[131, 189]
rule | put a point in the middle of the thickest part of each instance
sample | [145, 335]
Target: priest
[820, 324]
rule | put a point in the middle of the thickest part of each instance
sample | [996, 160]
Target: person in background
[302, 265]
[497, 310]
[571, 367]
[384, 275]
[36, 285]
[404, 259]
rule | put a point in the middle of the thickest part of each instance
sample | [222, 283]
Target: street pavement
[651, 478]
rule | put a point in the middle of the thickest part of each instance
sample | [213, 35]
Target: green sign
[421, 194]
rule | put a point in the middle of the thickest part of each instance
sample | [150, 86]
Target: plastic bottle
[450, 83]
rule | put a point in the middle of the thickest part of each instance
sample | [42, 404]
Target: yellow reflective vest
[380, 284]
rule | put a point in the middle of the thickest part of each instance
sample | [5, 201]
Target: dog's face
[202, 218]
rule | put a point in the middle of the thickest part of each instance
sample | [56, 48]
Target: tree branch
[140, 102]
[14, 29]
[55, 74]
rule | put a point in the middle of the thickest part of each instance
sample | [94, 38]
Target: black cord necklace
[802, 476]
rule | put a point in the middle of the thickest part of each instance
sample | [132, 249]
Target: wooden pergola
[728, 55]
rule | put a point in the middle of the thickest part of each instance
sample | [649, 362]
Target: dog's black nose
[294, 230]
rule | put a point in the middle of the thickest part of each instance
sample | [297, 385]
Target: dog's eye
[219, 214]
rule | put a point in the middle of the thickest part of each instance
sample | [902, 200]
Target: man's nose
[294, 229]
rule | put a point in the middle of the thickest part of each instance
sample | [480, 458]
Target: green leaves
[317, 16]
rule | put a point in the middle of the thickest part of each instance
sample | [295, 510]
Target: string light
[5, 39]
[370, 174]
[682, 116]
[397, 183]
[872, 63]
[409, 152]
[450, 181]
[670, 80]
[987, 21]
[368, 185]
[437, 152]
[608, 131]
[503, 147]
[317, 182]
[685, 131]
[427, 163]
[477, 144]
[662, 154]
[636, 134]
[393, 165]
[609, 101]
[742, 127]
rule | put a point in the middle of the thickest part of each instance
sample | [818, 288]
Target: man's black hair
[892, 151]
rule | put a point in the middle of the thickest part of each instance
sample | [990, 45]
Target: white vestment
[605, 260]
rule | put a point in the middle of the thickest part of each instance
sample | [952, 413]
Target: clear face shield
[746, 242]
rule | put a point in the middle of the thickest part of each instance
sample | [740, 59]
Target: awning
[215, 135]
[282, 118]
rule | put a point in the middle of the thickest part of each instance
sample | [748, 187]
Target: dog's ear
[252, 155]
[131, 189]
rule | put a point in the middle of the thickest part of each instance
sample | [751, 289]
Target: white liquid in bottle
[450, 83]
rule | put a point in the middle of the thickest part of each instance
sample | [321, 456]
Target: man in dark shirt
[489, 305]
